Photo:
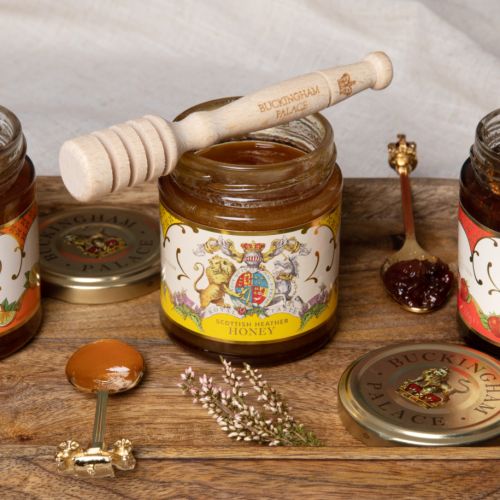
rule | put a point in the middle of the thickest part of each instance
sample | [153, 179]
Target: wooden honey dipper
[141, 150]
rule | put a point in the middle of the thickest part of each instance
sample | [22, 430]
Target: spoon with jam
[104, 367]
[417, 280]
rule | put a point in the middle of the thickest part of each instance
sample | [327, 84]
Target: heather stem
[244, 422]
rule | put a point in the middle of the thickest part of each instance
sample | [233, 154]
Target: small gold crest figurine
[402, 155]
[96, 462]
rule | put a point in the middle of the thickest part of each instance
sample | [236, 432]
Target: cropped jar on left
[20, 305]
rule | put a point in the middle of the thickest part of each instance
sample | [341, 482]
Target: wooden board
[180, 451]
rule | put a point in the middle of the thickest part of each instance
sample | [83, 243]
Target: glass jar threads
[20, 311]
[479, 239]
[250, 249]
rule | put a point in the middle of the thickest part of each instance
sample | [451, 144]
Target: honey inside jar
[250, 153]
[105, 365]
[251, 244]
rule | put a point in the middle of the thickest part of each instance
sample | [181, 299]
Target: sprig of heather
[288, 428]
[241, 420]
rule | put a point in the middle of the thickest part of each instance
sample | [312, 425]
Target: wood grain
[181, 453]
[243, 479]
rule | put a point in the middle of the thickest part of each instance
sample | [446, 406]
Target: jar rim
[191, 156]
[12, 147]
[14, 133]
[486, 126]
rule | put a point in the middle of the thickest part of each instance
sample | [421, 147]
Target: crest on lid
[421, 394]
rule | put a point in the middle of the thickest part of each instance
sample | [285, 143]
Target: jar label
[249, 287]
[19, 270]
[479, 270]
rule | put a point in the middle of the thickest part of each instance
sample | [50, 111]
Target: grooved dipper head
[86, 168]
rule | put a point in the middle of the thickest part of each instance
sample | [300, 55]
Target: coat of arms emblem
[429, 390]
[251, 285]
[96, 245]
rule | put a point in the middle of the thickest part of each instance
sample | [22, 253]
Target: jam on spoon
[414, 278]
[104, 367]
[419, 284]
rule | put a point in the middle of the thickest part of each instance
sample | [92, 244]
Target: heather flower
[272, 424]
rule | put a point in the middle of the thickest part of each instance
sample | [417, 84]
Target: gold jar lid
[421, 394]
[97, 255]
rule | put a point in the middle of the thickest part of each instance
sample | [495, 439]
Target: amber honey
[251, 244]
[251, 153]
[105, 365]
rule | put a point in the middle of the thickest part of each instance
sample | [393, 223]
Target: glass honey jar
[20, 310]
[479, 239]
[250, 243]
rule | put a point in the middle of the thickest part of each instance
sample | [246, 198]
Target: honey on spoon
[417, 280]
[105, 367]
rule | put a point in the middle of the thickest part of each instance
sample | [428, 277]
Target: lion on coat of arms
[219, 273]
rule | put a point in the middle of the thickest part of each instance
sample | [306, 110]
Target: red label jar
[479, 239]
[20, 311]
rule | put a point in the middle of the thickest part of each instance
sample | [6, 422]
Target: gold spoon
[412, 271]
[104, 367]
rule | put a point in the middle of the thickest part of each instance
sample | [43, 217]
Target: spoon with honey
[417, 280]
[104, 367]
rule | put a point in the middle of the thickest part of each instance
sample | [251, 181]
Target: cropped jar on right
[479, 240]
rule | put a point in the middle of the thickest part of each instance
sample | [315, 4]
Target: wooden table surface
[180, 451]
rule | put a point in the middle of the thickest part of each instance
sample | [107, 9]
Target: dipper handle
[144, 149]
